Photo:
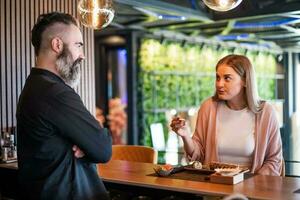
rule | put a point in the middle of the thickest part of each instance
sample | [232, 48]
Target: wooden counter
[13, 165]
[256, 187]
[8, 180]
[134, 174]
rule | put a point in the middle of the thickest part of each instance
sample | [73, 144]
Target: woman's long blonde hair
[242, 65]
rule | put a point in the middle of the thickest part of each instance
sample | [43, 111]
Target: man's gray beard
[68, 70]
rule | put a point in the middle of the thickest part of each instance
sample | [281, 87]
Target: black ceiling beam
[246, 9]
[290, 39]
[281, 36]
[170, 24]
[134, 21]
[118, 14]
[169, 8]
[194, 25]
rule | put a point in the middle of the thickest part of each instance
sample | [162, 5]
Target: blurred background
[155, 59]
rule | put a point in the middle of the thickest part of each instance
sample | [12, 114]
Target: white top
[235, 135]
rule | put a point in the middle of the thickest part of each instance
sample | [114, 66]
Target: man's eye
[79, 44]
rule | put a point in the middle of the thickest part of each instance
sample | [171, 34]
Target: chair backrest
[134, 153]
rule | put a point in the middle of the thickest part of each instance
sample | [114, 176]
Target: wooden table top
[136, 174]
[13, 165]
[256, 187]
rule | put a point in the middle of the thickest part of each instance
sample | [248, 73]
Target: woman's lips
[221, 92]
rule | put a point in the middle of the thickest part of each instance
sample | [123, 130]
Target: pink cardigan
[267, 157]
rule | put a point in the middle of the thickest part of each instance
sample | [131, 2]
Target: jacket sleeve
[272, 162]
[74, 122]
[199, 136]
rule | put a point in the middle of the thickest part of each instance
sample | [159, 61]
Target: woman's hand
[178, 126]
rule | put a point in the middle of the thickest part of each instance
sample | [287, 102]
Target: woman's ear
[57, 45]
[244, 83]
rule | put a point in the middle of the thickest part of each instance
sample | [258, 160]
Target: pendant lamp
[96, 14]
[222, 5]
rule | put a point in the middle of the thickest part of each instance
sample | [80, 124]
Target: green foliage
[175, 76]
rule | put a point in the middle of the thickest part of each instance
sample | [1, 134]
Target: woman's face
[229, 84]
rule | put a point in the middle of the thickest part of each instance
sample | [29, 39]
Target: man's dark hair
[46, 20]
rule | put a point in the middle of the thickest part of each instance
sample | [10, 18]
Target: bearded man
[59, 141]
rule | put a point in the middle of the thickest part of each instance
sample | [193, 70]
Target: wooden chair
[134, 153]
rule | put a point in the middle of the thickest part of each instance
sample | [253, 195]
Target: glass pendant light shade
[96, 14]
[222, 5]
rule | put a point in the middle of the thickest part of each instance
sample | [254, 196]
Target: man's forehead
[75, 34]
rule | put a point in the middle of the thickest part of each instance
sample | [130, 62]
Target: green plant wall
[176, 76]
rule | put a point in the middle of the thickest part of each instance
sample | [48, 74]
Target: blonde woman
[235, 126]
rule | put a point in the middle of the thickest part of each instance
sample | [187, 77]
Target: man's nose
[82, 56]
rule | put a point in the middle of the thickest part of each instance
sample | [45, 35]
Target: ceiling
[272, 23]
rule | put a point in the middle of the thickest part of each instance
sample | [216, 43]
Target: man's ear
[57, 45]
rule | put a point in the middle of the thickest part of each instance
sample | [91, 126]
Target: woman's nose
[219, 83]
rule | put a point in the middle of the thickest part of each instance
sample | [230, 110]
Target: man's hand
[77, 152]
